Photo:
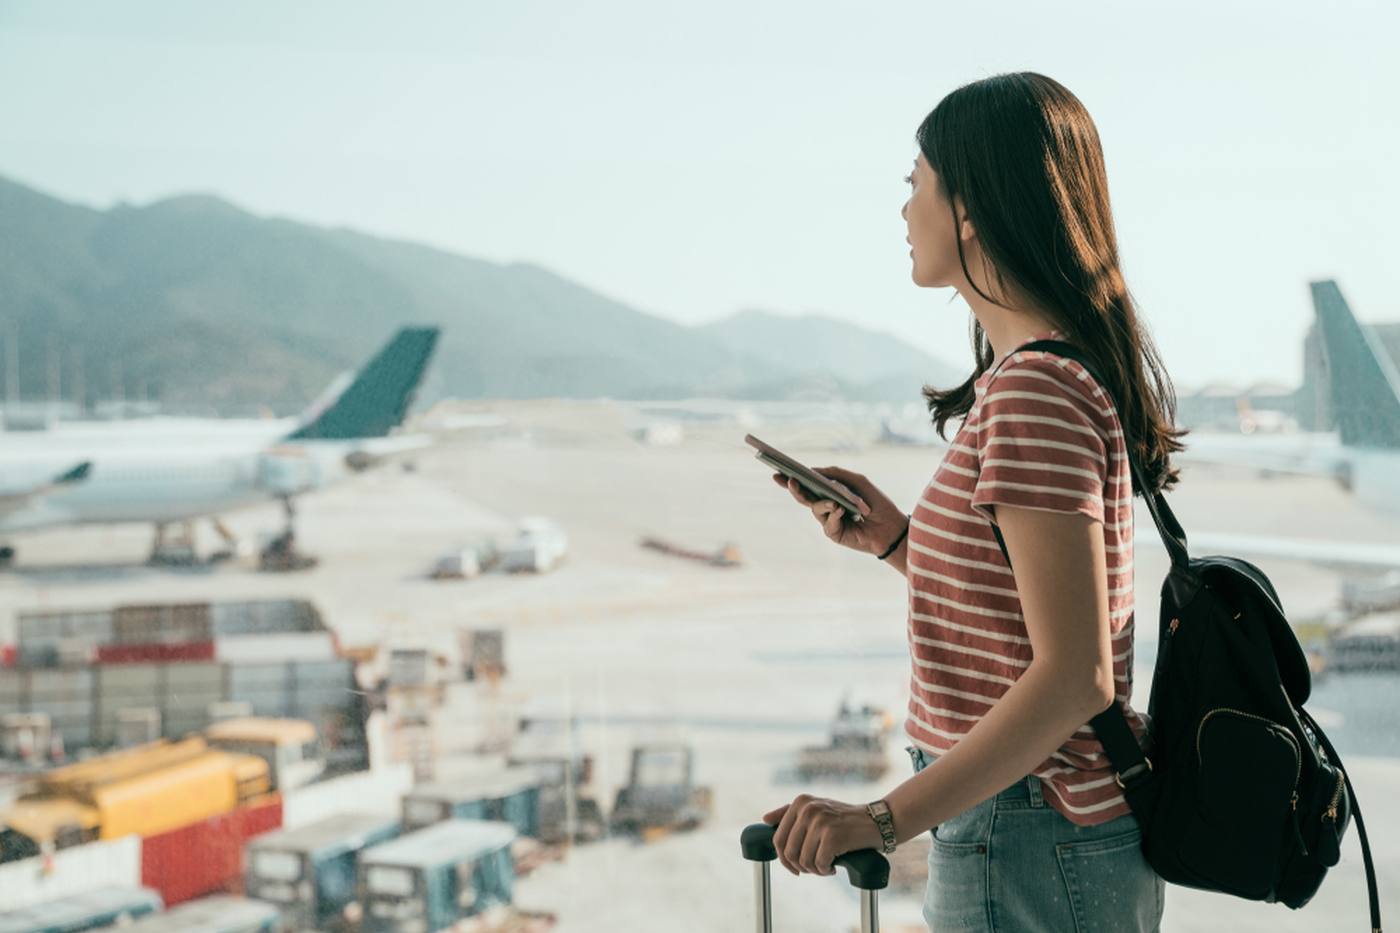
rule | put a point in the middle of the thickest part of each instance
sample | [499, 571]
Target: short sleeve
[1040, 442]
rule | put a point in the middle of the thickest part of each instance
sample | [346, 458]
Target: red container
[205, 857]
[8, 653]
[155, 653]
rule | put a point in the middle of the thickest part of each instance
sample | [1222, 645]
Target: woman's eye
[909, 179]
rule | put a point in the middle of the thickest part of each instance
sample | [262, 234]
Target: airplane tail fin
[378, 398]
[1362, 378]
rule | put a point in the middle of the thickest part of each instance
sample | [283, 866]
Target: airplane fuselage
[154, 485]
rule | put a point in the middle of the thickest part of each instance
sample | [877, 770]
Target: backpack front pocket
[1248, 771]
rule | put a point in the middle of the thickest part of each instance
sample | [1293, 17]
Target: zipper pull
[1171, 629]
[1297, 830]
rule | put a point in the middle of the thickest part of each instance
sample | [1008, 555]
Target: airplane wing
[12, 499]
[1342, 555]
[1308, 454]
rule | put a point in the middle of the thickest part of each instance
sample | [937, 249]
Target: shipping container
[263, 617]
[154, 652]
[85, 704]
[310, 872]
[170, 622]
[430, 879]
[87, 910]
[220, 914]
[510, 794]
[206, 856]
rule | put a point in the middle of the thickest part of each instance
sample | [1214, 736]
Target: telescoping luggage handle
[865, 868]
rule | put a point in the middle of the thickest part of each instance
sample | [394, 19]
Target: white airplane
[1363, 454]
[176, 473]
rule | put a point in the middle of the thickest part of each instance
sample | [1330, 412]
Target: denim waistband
[1025, 793]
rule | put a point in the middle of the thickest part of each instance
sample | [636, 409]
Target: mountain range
[206, 307]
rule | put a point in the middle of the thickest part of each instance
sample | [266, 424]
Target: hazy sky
[694, 159]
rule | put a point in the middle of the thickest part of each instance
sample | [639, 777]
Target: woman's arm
[1063, 585]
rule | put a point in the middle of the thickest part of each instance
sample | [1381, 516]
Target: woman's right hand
[882, 522]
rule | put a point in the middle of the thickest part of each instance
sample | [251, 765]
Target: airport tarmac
[748, 663]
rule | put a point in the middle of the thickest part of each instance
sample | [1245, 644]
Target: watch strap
[884, 820]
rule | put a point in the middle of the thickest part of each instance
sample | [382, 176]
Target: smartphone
[809, 479]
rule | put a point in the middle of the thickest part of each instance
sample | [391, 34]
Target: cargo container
[154, 653]
[85, 704]
[289, 746]
[153, 624]
[432, 878]
[86, 910]
[539, 546]
[567, 808]
[507, 794]
[222, 914]
[72, 637]
[265, 616]
[206, 856]
[310, 872]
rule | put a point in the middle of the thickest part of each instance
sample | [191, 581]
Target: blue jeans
[1015, 863]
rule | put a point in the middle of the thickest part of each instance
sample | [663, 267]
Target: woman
[1009, 205]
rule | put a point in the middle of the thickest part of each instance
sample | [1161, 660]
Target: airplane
[165, 476]
[1362, 455]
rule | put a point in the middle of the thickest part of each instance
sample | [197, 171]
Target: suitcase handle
[865, 868]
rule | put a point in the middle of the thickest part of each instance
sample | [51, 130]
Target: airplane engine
[285, 471]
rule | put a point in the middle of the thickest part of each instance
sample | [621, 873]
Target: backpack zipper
[1331, 812]
[1297, 753]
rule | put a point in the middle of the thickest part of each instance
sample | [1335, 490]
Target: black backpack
[1238, 790]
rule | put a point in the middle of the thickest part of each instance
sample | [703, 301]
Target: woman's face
[934, 252]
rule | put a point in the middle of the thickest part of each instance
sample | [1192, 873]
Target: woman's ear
[966, 231]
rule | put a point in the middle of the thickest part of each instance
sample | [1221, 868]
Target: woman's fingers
[847, 481]
[831, 524]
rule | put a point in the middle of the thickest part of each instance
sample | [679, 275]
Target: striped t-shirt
[1043, 434]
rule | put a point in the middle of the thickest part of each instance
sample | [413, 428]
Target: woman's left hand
[813, 831]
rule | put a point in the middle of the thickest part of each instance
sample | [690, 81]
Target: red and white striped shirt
[1041, 434]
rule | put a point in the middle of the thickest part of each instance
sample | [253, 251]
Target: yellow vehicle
[146, 791]
[115, 766]
[289, 746]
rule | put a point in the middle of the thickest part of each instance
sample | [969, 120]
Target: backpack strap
[1371, 891]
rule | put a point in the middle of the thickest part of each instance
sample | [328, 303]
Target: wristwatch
[880, 812]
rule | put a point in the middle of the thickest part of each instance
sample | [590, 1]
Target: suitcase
[865, 869]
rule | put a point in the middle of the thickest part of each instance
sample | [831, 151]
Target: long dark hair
[1023, 155]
